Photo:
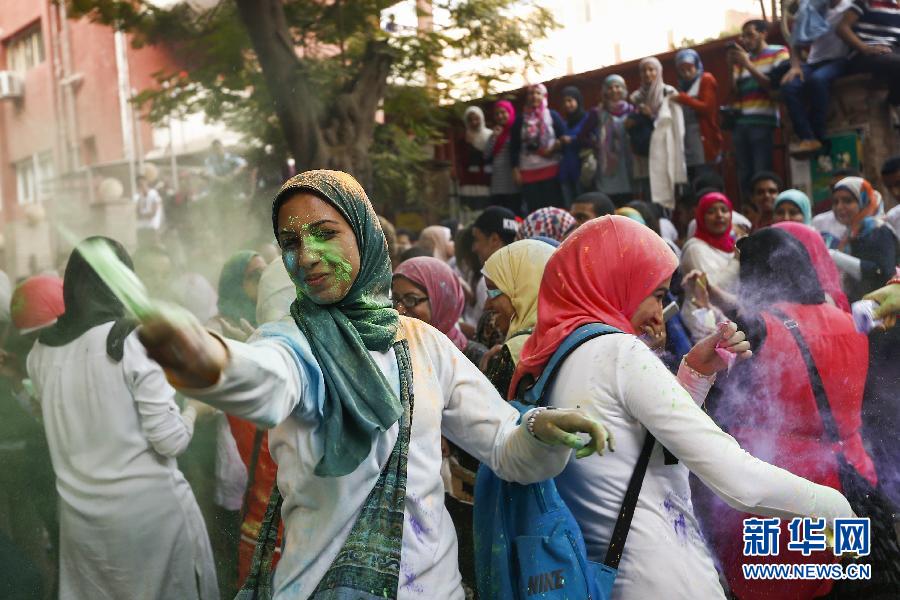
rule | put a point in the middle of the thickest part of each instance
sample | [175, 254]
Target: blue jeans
[753, 152]
[807, 100]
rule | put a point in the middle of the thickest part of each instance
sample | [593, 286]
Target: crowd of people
[309, 416]
[366, 370]
[648, 144]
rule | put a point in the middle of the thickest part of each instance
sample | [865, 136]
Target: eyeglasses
[409, 301]
[494, 293]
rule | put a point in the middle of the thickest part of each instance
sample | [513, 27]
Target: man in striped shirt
[755, 65]
[872, 30]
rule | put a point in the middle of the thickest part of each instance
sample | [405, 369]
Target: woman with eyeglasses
[427, 289]
[513, 277]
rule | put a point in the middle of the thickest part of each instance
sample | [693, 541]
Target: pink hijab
[601, 273]
[829, 278]
[445, 294]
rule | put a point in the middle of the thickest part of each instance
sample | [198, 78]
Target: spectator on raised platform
[656, 130]
[753, 62]
[504, 189]
[872, 30]
[605, 130]
[535, 144]
[806, 86]
[570, 166]
[472, 172]
[700, 102]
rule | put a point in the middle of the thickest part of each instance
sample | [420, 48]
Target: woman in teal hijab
[359, 398]
[238, 291]
[793, 205]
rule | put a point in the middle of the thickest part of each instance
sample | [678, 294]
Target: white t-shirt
[830, 46]
[828, 223]
[146, 203]
[617, 380]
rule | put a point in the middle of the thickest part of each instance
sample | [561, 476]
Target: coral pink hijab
[601, 273]
[445, 294]
[829, 278]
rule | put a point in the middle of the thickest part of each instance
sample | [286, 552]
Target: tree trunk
[349, 127]
[266, 23]
[342, 137]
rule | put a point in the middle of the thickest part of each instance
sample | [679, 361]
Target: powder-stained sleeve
[479, 421]
[658, 400]
[167, 429]
[269, 378]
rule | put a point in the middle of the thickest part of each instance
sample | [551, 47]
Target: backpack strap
[626, 513]
[534, 395]
[815, 378]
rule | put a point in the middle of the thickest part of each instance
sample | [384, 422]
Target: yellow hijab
[517, 270]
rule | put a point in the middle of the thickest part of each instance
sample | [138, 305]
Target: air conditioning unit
[11, 85]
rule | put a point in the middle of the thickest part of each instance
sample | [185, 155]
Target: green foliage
[221, 76]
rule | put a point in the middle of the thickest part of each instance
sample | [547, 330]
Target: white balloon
[110, 190]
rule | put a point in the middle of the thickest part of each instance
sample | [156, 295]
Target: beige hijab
[517, 270]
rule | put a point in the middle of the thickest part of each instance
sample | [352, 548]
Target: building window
[31, 174]
[25, 50]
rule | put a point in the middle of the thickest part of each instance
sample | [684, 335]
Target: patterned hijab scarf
[359, 401]
[554, 223]
[537, 124]
[869, 203]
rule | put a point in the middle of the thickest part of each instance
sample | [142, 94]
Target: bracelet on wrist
[529, 423]
[695, 372]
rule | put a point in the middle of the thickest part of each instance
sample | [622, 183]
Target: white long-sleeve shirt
[273, 385]
[722, 270]
[128, 517]
[617, 380]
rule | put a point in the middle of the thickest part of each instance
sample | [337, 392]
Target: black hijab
[573, 92]
[775, 267]
[89, 302]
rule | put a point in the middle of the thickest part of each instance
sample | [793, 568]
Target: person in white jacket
[616, 378]
[665, 165]
[358, 398]
[130, 526]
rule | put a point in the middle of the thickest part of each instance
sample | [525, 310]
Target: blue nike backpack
[527, 542]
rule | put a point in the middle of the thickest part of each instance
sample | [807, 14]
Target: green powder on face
[330, 255]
